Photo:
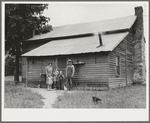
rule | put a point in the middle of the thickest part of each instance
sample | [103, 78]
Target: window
[61, 62]
[118, 65]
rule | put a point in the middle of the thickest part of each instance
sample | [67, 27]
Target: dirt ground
[49, 97]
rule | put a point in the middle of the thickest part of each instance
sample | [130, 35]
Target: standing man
[70, 70]
[49, 74]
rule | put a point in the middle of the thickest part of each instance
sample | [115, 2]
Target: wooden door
[62, 64]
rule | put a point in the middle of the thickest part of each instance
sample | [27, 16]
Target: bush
[9, 66]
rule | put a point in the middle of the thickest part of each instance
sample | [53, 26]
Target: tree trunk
[16, 75]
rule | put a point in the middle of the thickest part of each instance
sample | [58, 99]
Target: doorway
[62, 64]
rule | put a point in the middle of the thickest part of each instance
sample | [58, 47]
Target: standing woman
[49, 73]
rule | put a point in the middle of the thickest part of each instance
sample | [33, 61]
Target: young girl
[56, 78]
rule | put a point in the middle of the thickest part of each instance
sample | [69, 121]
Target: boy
[61, 81]
[56, 78]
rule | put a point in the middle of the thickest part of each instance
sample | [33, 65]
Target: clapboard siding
[118, 82]
[37, 65]
[115, 81]
[129, 40]
[23, 68]
[94, 70]
[125, 51]
[99, 68]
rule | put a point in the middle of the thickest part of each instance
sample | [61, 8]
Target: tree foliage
[9, 66]
[20, 21]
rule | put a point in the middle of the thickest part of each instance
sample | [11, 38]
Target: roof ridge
[119, 23]
[92, 21]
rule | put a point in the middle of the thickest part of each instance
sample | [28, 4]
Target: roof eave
[64, 54]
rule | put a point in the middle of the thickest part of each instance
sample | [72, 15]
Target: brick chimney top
[139, 8]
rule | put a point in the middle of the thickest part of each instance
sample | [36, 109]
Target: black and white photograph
[75, 58]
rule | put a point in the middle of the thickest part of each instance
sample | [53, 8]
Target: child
[61, 81]
[49, 82]
[49, 71]
[56, 78]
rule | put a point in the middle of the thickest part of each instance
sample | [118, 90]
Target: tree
[20, 21]
[9, 66]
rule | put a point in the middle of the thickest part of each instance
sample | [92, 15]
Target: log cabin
[105, 53]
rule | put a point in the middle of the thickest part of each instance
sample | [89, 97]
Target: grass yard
[17, 96]
[127, 97]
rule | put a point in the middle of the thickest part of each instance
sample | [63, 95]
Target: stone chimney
[139, 49]
[138, 26]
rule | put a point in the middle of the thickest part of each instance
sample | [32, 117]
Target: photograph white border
[75, 114]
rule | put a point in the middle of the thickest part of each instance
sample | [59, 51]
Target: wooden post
[126, 61]
[27, 66]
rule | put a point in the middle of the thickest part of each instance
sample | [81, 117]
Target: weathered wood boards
[98, 68]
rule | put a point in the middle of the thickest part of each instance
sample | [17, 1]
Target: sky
[65, 13]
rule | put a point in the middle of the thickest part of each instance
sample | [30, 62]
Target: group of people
[56, 80]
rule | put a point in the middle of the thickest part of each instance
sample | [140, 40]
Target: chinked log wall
[125, 51]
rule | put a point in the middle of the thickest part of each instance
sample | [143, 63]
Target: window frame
[118, 64]
[57, 62]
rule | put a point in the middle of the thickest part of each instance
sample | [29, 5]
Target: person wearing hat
[70, 70]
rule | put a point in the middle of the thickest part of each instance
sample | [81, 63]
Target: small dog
[95, 99]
